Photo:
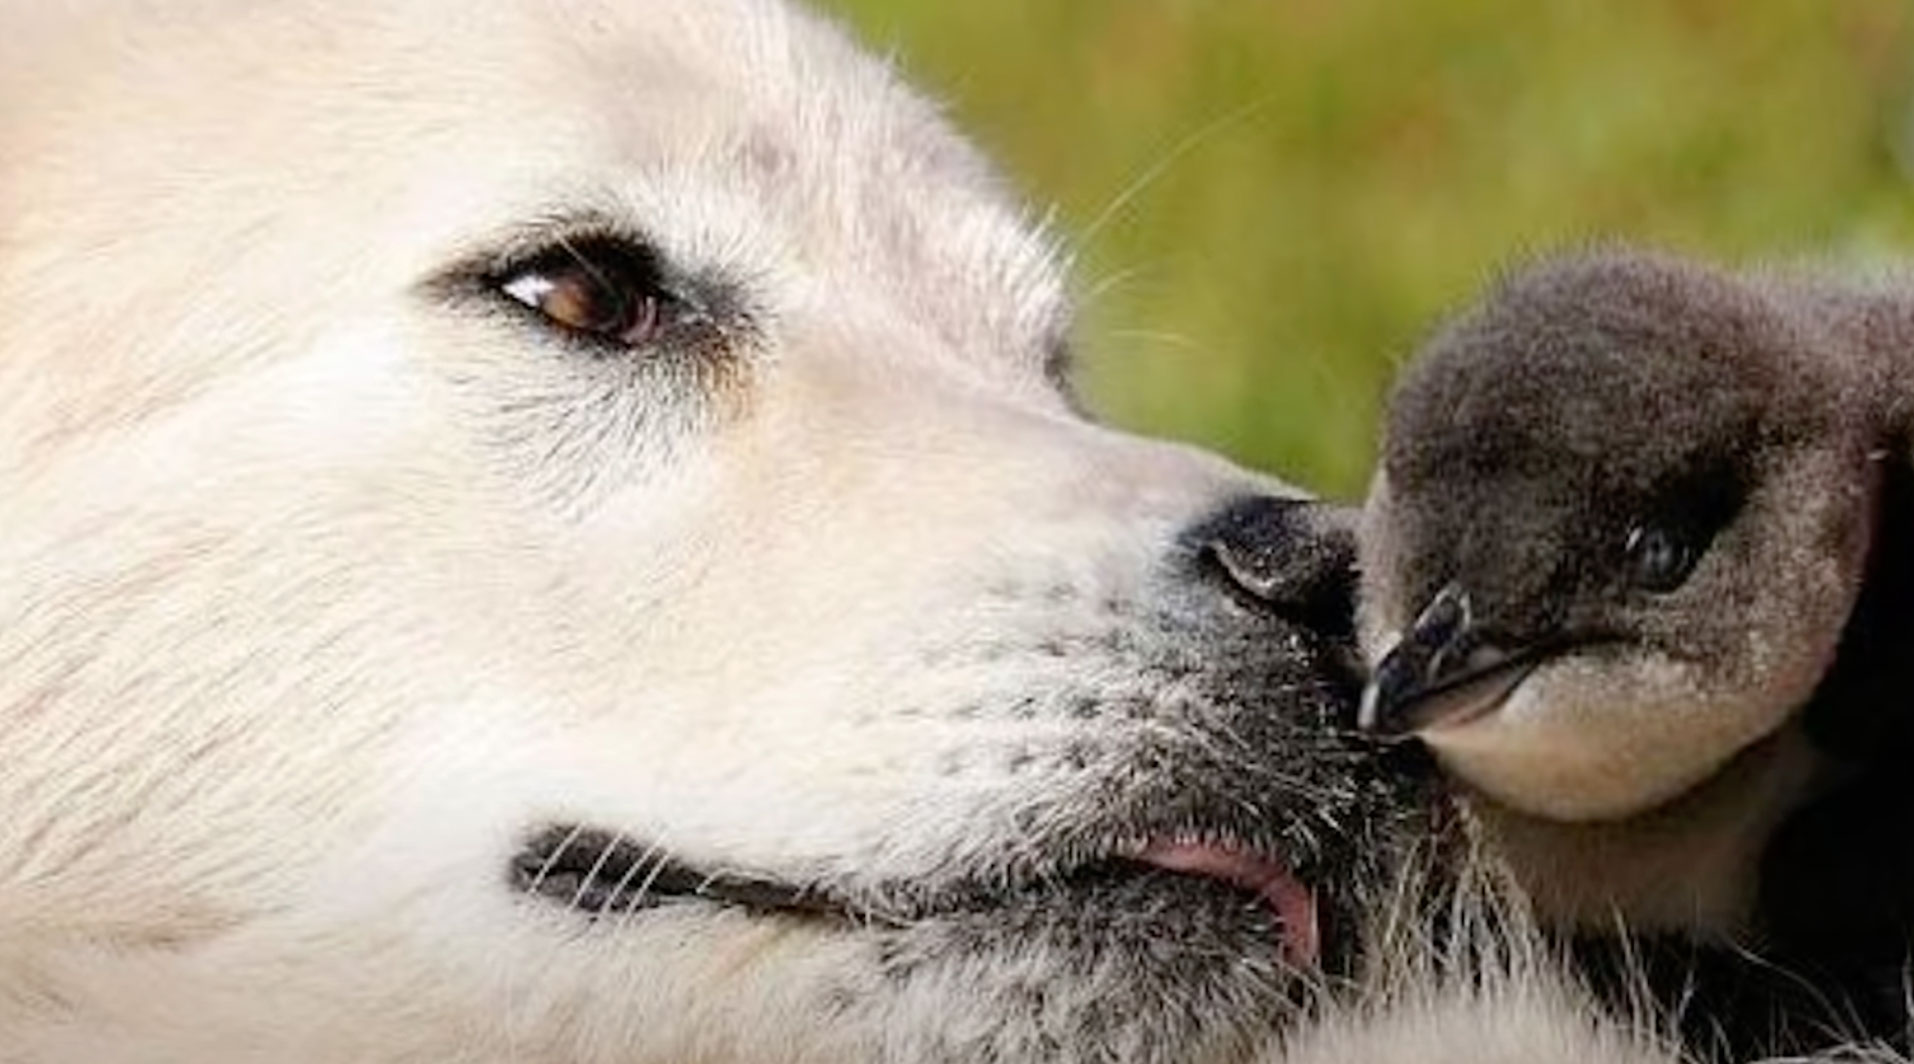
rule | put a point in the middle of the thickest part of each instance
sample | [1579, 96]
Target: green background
[1273, 199]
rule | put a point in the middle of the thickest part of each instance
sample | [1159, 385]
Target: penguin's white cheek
[1583, 740]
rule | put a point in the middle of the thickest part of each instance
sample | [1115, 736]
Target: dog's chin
[1165, 966]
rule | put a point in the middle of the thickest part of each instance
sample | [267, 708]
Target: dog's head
[558, 531]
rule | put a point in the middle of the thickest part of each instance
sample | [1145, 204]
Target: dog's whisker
[658, 861]
[617, 895]
[1162, 166]
[654, 861]
[551, 860]
[589, 881]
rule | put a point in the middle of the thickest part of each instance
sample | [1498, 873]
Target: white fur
[316, 588]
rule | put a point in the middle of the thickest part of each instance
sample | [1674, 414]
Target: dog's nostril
[1292, 558]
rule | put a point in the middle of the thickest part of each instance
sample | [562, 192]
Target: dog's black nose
[1292, 558]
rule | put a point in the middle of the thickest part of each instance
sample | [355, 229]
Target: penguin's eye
[1659, 558]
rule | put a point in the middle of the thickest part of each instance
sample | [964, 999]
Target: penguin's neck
[1691, 866]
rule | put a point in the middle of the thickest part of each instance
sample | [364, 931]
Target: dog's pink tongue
[1295, 905]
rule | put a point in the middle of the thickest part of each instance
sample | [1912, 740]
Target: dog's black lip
[603, 873]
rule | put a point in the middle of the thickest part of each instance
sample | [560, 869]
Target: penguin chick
[1623, 511]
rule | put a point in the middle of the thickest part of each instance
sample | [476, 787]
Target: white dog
[557, 531]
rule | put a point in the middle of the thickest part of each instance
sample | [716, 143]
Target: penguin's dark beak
[1443, 671]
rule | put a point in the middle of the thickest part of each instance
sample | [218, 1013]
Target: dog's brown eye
[600, 289]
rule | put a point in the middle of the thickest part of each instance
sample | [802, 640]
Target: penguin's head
[1622, 512]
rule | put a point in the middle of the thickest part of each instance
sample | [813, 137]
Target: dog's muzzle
[1292, 558]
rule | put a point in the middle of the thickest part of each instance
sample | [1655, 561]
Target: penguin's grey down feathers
[1653, 486]
[1631, 568]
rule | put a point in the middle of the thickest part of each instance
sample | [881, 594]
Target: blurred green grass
[1274, 199]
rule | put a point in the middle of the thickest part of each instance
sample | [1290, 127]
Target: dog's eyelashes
[601, 289]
